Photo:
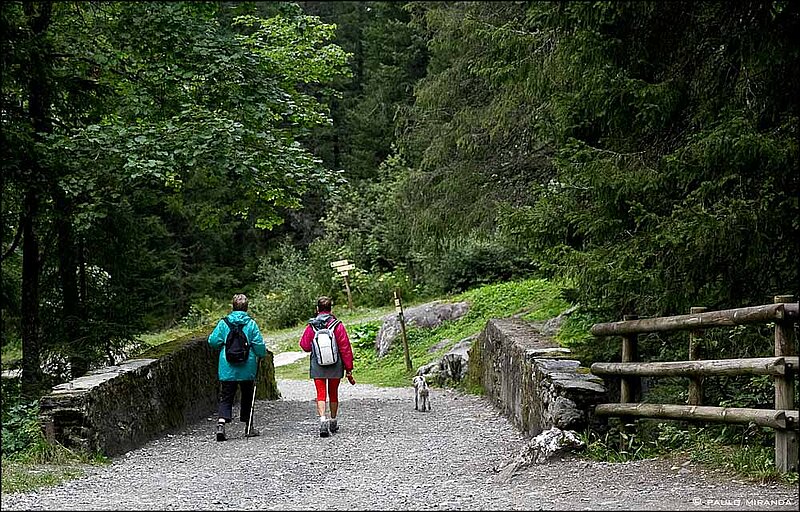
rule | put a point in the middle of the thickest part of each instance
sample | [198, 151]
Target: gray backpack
[324, 342]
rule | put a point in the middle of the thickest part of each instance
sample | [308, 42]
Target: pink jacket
[342, 340]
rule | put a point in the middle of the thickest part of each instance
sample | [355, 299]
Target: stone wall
[118, 408]
[531, 380]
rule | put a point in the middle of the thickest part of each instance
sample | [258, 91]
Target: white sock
[221, 420]
[322, 418]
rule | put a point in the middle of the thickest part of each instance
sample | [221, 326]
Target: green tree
[144, 113]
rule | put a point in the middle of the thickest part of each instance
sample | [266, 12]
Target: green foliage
[650, 166]
[377, 289]
[575, 335]
[168, 133]
[288, 294]
[21, 431]
[469, 262]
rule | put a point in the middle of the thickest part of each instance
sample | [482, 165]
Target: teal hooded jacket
[246, 370]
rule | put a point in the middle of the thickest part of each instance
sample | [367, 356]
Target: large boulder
[455, 362]
[429, 315]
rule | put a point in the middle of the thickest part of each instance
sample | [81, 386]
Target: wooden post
[786, 452]
[629, 386]
[398, 306]
[347, 287]
[695, 383]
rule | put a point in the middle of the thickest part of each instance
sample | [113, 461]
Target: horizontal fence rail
[751, 366]
[765, 417]
[782, 368]
[724, 318]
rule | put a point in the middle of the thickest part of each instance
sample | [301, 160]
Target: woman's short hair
[324, 303]
[240, 302]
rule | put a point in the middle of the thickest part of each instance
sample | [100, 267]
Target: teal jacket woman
[246, 370]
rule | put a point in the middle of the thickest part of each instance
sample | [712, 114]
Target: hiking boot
[334, 426]
[253, 433]
[221, 431]
[323, 429]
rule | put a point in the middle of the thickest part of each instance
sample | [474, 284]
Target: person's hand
[350, 378]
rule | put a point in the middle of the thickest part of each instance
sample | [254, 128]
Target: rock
[455, 363]
[432, 372]
[564, 412]
[551, 327]
[429, 315]
[541, 448]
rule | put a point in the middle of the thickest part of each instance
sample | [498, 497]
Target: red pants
[333, 389]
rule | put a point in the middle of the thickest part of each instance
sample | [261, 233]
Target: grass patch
[540, 298]
[22, 477]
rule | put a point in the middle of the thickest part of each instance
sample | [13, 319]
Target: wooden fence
[782, 367]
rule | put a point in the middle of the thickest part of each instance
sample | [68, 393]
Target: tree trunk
[70, 298]
[31, 367]
[38, 104]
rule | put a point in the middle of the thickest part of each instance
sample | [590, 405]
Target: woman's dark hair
[324, 303]
[240, 302]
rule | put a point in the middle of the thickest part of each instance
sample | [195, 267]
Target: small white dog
[421, 394]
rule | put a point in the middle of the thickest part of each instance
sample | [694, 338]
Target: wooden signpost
[398, 307]
[344, 268]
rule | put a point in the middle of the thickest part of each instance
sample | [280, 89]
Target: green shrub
[286, 294]
[472, 262]
[375, 290]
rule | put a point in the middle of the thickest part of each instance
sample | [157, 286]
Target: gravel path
[386, 456]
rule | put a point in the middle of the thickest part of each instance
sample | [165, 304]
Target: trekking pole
[253, 401]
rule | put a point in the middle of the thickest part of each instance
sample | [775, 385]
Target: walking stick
[253, 401]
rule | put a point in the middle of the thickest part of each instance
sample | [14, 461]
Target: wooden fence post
[786, 452]
[695, 383]
[629, 386]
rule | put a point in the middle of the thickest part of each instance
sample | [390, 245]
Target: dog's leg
[416, 401]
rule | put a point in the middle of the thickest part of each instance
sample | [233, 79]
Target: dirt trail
[385, 457]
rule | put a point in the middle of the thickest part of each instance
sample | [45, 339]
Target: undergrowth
[746, 451]
[29, 461]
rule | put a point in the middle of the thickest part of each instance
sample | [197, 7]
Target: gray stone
[564, 412]
[439, 346]
[429, 315]
[432, 372]
[455, 363]
[541, 448]
[551, 327]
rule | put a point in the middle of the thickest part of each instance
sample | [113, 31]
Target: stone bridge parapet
[532, 381]
[115, 409]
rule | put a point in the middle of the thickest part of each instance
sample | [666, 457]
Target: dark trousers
[227, 394]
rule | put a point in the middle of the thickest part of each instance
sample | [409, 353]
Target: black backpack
[237, 346]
